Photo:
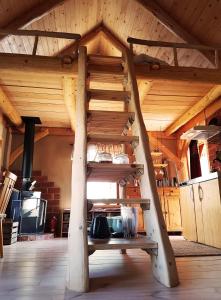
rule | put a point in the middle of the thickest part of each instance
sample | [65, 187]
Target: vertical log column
[78, 274]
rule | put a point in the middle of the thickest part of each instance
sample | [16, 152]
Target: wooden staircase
[113, 127]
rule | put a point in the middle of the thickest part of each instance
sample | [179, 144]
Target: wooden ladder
[110, 127]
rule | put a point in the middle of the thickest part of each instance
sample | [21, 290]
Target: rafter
[8, 109]
[209, 98]
[173, 26]
[32, 15]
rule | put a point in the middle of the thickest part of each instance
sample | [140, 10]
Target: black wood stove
[33, 208]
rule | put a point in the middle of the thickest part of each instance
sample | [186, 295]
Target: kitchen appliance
[201, 132]
[99, 228]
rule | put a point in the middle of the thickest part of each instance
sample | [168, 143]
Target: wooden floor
[36, 270]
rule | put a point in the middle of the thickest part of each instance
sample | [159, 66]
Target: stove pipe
[28, 150]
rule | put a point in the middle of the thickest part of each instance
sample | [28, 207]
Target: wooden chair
[5, 194]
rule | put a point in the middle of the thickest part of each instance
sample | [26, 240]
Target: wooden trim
[209, 98]
[18, 151]
[69, 99]
[172, 25]
[8, 109]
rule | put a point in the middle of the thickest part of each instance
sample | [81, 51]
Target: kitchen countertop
[210, 176]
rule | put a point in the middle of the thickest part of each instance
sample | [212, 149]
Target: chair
[5, 194]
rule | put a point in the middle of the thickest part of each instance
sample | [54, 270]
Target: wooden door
[211, 211]
[188, 213]
[197, 190]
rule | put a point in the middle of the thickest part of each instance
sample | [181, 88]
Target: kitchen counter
[210, 176]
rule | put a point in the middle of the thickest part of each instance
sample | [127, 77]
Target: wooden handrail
[175, 46]
[40, 33]
[150, 43]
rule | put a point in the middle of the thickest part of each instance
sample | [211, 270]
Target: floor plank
[36, 270]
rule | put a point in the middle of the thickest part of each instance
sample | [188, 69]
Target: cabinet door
[197, 190]
[173, 213]
[211, 210]
[188, 212]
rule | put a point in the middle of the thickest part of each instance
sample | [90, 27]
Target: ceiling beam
[62, 66]
[70, 100]
[32, 15]
[8, 109]
[173, 26]
[210, 97]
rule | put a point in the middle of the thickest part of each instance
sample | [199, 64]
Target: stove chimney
[28, 150]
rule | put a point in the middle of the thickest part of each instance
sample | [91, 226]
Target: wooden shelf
[120, 201]
[112, 139]
[114, 244]
[160, 165]
[112, 172]
[156, 153]
[108, 122]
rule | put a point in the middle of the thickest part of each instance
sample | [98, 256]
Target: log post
[78, 274]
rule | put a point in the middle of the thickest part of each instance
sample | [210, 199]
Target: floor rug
[182, 248]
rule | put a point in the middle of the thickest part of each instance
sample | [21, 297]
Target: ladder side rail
[163, 265]
[78, 272]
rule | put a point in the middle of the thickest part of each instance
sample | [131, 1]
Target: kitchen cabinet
[170, 203]
[204, 204]
[188, 216]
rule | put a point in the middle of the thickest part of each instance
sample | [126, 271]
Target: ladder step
[120, 201]
[112, 139]
[109, 122]
[105, 69]
[102, 59]
[95, 94]
[115, 244]
[113, 172]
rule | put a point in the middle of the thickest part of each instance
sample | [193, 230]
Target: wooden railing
[39, 33]
[175, 46]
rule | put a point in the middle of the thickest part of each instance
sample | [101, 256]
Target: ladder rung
[113, 172]
[101, 59]
[111, 69]
[113, 243]
[108, 95]
[112, 139]
[120, 201]
[109, 122]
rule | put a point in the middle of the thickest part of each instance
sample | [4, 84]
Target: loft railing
[175, 46]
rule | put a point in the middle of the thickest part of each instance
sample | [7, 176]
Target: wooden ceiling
[162, 101]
